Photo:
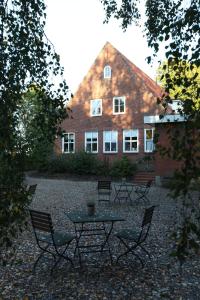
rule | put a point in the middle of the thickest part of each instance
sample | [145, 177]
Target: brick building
[112, 110]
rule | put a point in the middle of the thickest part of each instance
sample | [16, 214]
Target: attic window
[107, 72]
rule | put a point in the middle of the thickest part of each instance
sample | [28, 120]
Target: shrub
[80, 163]
[39, 156]
[60, 163]
[123, 168]
[84, 163]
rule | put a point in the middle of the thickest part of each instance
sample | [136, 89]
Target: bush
[39, 156]
[60, 163]
[85, 163]
[123, 168]
[80, 163]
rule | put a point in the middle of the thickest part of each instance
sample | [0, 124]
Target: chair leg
[145, 251]
[60, 256]
[130, 249]
[41, 254]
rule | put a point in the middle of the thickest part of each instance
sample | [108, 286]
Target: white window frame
[107, 72]
[119, 112]
[135, 133]
[91, 108]
[63, 142]
[145, 140]
[92, 134]
[112, 132]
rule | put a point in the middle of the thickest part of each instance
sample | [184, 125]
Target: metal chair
[142, 191]
[132, 240]
[31, 190]
[104, 190]
[47, 238]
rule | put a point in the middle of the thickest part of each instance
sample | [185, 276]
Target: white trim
[104, 151]
[92, 132]
[119, 113]
[131, 151]
[166, 119]
[107, 70]
[145, 130]
[96, 115]
[67, 133]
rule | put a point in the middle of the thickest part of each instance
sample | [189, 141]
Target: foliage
[83, 163]
[174, 26]
[27, 57]
[80, 163]
[182, 79]
[122, 168]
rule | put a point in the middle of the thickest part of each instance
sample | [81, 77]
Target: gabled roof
[134, 69]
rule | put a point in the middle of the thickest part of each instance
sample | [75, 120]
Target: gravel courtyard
[161, 278]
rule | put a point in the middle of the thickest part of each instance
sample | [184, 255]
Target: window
[91, 142]
[68, 143]
[118, 105]
[107, 72]
[110, 141]
[130, 140]
[96, 107]
[148, 140]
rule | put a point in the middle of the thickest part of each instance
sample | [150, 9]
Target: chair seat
[60, 238]
[128, 234]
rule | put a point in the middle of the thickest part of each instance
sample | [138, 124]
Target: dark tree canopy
[27, 57]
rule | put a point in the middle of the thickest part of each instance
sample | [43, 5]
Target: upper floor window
[110, 140]
[118, 105]
[68, 143]
[91, 142]
[148, 140]
[107, 72]
[96, 107]
[130, 140]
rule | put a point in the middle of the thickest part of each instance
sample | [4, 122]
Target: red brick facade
[165, 166]
[126, 80]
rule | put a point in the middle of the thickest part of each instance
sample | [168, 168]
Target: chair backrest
[104, 185]
[41, 221]
[148, 216]
[149, 183]
[32, 189]
[146, 223]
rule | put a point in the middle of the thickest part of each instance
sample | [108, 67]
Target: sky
[76, 29]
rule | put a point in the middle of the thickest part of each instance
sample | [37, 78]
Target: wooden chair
[133, 239]
[104, 190]
[48, 240]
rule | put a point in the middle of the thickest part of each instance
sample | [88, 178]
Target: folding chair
[132, 240]
[47, 238]
[142, 191]
[31, 190]
[104, 190]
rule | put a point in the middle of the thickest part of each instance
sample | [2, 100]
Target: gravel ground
[161, 278]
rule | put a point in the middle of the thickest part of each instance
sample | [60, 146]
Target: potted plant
[91, 207]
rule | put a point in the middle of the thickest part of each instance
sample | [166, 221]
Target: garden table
[123, 191]
[86, 225]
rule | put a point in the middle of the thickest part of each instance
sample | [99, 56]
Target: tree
[27, 57]
[177, 72]
[34, 127]
[174, 25]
